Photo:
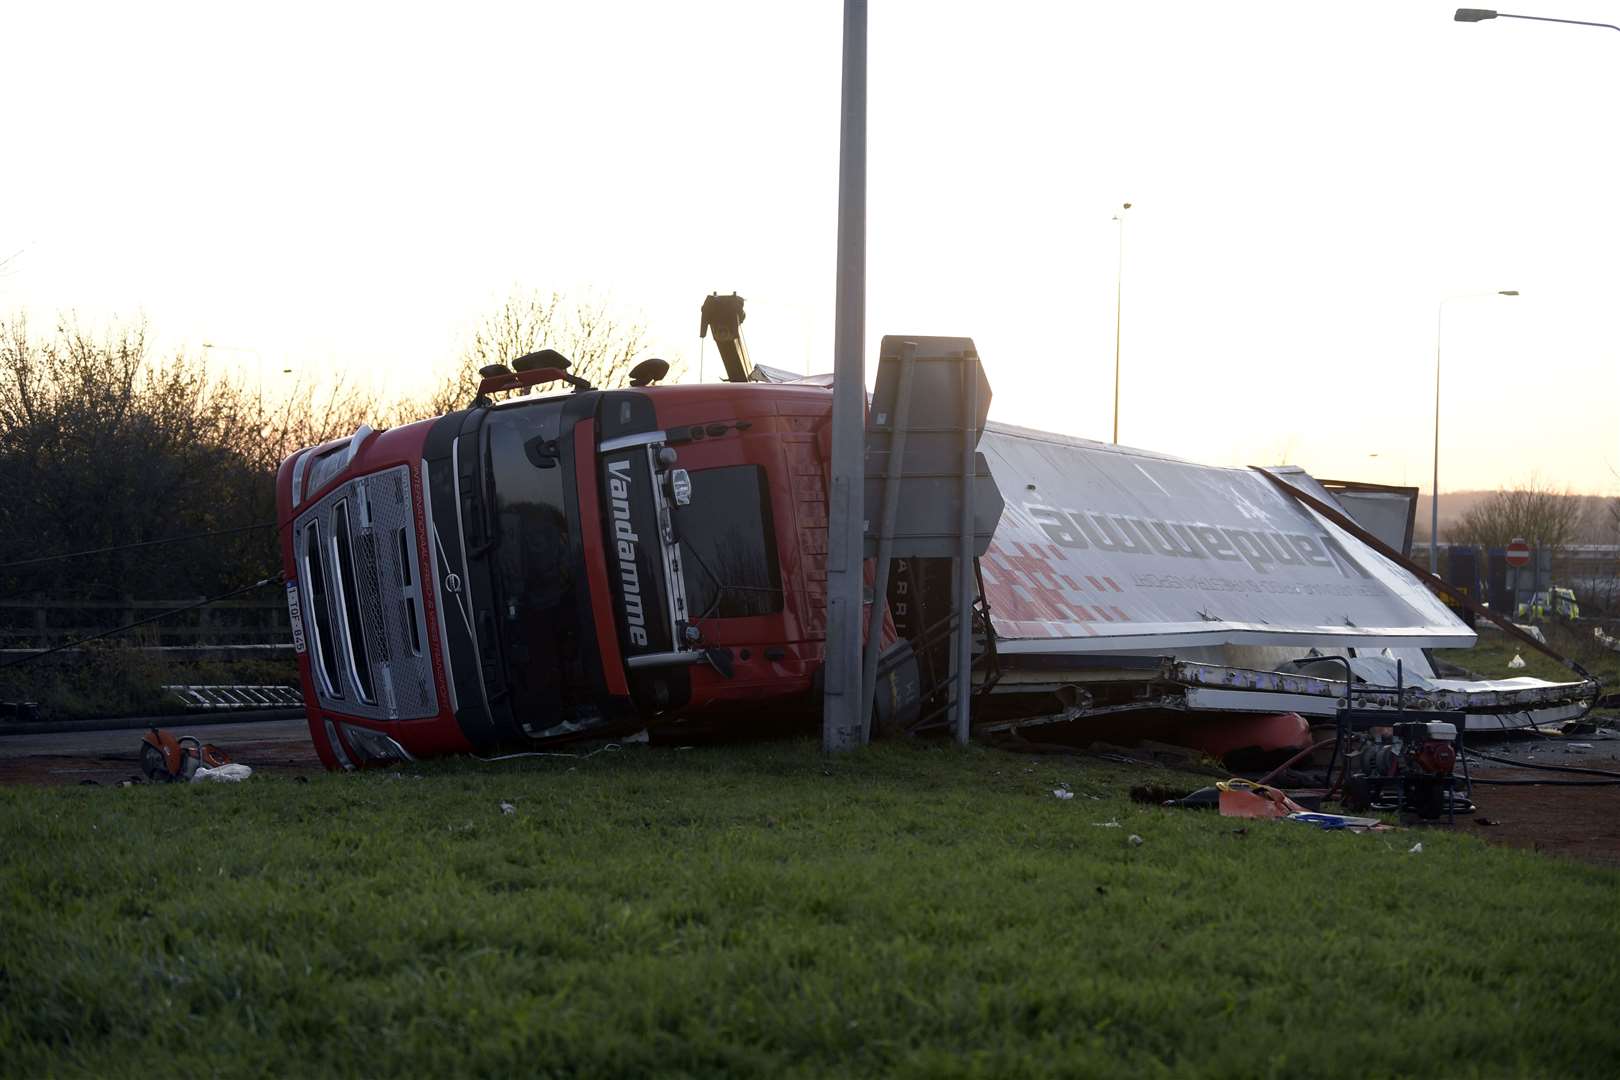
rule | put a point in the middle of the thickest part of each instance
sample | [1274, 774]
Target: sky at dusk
[1317, 189]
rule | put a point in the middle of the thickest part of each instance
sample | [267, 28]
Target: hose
[1550, 768]
[1303, 754]
[1549, 783]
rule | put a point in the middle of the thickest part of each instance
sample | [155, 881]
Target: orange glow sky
[345, 186]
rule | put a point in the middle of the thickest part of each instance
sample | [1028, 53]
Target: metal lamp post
[1119, 292]
[841, 721]
[1482, 14]
[1434, 489]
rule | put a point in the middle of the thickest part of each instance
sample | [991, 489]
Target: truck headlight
[680, 486]
[373, 747]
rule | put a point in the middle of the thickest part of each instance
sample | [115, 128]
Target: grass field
[906, 910]
[1490, 656]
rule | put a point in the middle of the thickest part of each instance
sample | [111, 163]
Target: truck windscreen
[728, 544]
[535, 564]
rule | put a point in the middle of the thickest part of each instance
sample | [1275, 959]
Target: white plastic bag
[225, 774]
[1517, 662]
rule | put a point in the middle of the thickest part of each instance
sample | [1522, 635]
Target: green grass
[906, 910]
[1489, 657]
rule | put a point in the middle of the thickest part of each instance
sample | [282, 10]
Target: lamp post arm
[1571, 22]
[1474, 15]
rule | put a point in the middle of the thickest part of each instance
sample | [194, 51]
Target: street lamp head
[1507, 292]
[1127, 206]
[1469, 14]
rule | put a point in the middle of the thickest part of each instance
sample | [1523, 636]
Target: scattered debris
[1134, 840]
[1486, 821]
[1334, 822]
[225, 774]
[1415, 849]
[1105, 825]
[168, 757]
[1247, 799]
[1062, 793]
[1205, 798]
[1605, 640]
[1517, 662]
[508, 808]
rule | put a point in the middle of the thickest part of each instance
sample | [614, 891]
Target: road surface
[107, 757]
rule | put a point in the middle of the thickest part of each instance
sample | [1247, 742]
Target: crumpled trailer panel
[1104, 548]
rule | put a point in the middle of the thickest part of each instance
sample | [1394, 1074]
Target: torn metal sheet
[1166, 682]
[1105, 548]
[1490, 704]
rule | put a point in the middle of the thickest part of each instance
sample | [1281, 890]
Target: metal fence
[41, 624]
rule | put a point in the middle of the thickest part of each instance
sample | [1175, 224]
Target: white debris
[1416, 849]
[1517, 662]
[508, 808]
[1105, 824]
[1134, 840]
[225, 774]
[1062, 793]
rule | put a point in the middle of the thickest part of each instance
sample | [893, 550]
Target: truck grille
[367, 544]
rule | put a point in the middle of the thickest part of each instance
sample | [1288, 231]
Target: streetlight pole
[841, 723]
[1434, 488]
[1119, 293]
[1482, 14]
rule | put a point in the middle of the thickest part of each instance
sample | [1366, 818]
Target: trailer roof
[1107, 548]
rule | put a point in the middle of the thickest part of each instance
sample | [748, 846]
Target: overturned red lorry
[598, 562]
[557, 567]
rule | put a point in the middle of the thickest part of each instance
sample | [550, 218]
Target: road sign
[926, 461]
[1518, 552]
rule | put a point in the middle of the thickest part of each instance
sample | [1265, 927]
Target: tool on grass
[169, 757]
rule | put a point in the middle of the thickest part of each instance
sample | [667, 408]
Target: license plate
[295, 616]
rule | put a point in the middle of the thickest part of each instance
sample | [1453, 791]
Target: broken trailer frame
[1082, 587]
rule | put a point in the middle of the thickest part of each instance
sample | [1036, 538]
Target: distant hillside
[1597, 526]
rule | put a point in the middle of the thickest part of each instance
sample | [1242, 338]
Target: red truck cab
[568, 566]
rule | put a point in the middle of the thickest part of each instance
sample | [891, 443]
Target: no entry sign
[1518, 552]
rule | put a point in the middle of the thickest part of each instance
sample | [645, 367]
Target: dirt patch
[1581, 822]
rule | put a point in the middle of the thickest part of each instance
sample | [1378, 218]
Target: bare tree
[1538, 512]
[600, 345]
[309, 413]
[100, 446]
[103, 445]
